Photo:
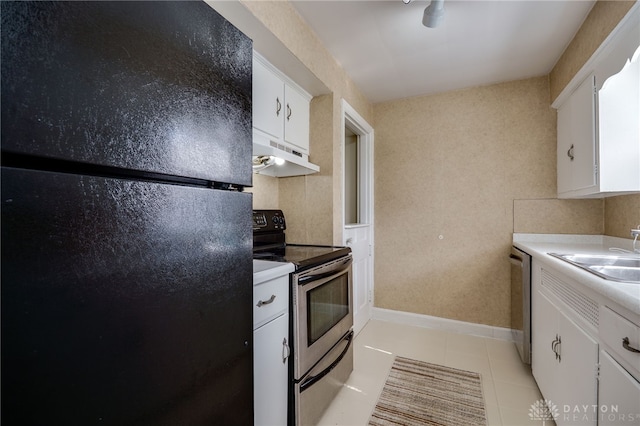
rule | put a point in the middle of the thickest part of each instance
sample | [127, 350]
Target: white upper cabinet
[577, 160]
[619, 127]
[296, 118]
[280, 108]
[268, 100]
[599, 120]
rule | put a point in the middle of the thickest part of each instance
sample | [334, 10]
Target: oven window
[326, 306]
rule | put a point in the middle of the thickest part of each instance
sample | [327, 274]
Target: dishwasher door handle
[515, 260]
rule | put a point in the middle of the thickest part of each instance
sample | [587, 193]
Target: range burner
[269, 243]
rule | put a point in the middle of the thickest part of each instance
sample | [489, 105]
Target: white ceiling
[389, 54]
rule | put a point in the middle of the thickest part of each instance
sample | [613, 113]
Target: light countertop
[626, 295]
[265, 270]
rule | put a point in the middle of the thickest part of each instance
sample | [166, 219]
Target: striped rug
[419, 393]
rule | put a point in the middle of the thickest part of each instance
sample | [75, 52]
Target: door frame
[354, 121]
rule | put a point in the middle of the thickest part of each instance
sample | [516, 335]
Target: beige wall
[452, 165]
[553, 216]
[602, 19]
[621, 214]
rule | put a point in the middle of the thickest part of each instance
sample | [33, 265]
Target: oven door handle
[334, 271]
[314, 379]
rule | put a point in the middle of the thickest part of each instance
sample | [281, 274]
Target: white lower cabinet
[270, 367]
[585, 353]
[270, 342]
[619, 394]
[564, 362]
[619, 389]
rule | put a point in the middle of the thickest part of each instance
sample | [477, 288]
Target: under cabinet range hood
[274, 159]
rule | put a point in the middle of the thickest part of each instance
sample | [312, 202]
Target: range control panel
[268, 220]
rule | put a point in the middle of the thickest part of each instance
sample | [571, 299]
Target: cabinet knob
[570, 152]
[288, 112]
[278, 107]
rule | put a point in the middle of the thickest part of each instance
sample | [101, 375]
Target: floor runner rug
[420, 393]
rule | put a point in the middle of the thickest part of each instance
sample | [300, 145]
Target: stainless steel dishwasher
[521, 302]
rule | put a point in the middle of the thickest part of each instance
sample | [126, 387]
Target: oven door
[322, 311]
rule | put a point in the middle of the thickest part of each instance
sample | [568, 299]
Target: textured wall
[621, 214]
[265, 192]
[553, 216]
[602, 19]
[452, 164]
[307, 200]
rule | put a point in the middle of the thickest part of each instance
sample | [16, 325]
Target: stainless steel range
[321, 312]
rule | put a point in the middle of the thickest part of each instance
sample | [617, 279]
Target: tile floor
[509, 388]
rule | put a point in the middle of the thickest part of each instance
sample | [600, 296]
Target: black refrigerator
[126, 232]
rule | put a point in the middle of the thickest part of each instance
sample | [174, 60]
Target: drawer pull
[266, 302]
[555, 347]
[286, 350]
[627, 346]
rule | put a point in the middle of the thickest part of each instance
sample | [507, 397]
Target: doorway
[357, 178]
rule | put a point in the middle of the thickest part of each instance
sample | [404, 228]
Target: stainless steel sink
[609, 267]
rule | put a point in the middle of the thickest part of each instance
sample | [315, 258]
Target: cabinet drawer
[617, 389]
[613, 329]
[270, 299]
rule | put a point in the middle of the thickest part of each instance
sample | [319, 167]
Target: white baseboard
[428, 321]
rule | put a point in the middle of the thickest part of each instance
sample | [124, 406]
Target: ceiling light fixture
[433, 14]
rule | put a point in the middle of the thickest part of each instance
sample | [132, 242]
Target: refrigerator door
[124, 302]
[157, 87]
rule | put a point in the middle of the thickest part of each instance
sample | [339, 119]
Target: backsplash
[265, 192]
[553, 216]
[621, 214]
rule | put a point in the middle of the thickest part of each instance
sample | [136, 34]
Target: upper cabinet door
[162, 87]
[619, 127]
[577, 139]
[268, 101]
[583, 124]
[296, 119]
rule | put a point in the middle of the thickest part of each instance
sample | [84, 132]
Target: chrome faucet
[634, 234]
